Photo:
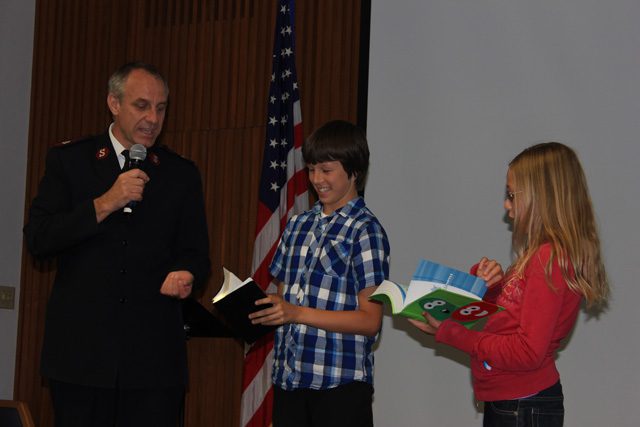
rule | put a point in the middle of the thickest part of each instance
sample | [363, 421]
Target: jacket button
[123, 300]
[123, 271]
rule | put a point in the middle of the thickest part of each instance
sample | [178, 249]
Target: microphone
[137, 154]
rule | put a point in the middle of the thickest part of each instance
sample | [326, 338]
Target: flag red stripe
[261, 275]
[262, 217]
[298, 135]
[300, 181]
[255, 359]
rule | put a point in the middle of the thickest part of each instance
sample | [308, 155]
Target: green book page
[442, 304]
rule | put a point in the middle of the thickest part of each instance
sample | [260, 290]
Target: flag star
[285, 96]
[275, 186]
[287, 72]
[295, 85]
[283, 142]
[283, 9]
[288, 52]
[274, 164]
[285, 31]
[273, 143]
[283, 120]
[283, 165]
[273, 121]
[273, 76]
[272, 99]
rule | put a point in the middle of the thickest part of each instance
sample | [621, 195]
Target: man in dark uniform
[114, 347]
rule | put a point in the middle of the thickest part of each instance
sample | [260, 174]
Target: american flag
[283, 192]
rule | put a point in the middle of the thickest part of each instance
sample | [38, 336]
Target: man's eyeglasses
[510, 195]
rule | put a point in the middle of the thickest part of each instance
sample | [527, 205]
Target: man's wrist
[101, 208]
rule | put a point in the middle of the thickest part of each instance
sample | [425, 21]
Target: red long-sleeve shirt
[514, 355]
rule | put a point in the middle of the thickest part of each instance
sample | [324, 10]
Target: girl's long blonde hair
[553, 206]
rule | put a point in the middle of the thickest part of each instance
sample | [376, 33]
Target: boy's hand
[279, 313]
[490, 271]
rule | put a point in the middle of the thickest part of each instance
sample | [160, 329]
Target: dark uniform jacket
[107, 322]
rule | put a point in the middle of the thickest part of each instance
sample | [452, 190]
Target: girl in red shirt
[557, 265]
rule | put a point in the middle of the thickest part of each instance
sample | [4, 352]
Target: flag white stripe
[255, 392]
[297, 113]
[267, 237]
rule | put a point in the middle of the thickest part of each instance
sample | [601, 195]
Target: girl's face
[511, 194]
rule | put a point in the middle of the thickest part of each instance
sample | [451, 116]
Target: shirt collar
[117, 147]
[352, 207]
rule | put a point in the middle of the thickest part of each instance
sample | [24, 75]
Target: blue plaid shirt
[324, 262]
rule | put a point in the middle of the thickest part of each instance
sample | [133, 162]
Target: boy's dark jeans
[545, 409]
[348, 405]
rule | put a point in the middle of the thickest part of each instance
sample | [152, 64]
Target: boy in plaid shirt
[328, 262]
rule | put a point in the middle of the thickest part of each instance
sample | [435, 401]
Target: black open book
[200, 322]
[235, 301]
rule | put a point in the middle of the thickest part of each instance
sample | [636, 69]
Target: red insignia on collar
[102, 153]
[153, 157]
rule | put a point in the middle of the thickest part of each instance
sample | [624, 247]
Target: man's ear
[114, 104]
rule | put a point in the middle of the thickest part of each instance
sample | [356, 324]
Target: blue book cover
[430, 271]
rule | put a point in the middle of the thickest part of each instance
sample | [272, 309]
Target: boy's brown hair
[341, 141]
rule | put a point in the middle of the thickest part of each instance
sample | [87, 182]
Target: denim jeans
[544, 409]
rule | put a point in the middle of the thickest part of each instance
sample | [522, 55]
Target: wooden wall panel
[216, 56]
[328, 34]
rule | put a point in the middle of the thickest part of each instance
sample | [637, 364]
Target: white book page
[230, 284]
[419, 288]
[396, 293]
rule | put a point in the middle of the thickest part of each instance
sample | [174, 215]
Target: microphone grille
[138, 152]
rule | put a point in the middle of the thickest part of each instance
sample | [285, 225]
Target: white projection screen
[456, 90]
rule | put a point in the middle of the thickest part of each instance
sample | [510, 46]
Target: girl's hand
[490, 271]
[279, 313]
[431, 327]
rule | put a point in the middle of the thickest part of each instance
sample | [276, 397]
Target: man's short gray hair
[119, 77]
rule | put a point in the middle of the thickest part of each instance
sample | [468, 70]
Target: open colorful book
[442, 291]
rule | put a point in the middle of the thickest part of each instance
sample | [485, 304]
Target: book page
[419, 288]
[392, 292]
[434, 272]
[230, 284]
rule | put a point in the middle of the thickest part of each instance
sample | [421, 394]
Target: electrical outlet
[7, 297]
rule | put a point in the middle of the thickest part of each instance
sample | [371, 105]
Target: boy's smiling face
[332, 184]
